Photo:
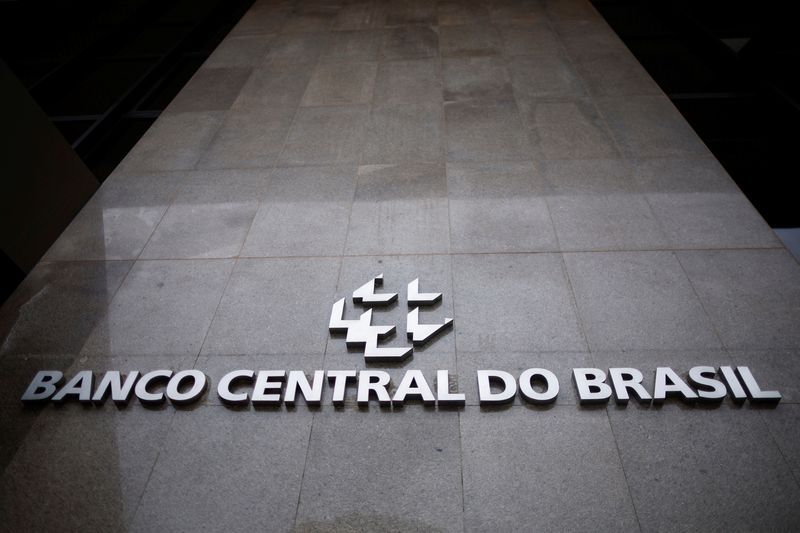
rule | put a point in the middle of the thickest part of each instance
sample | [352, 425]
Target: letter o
[199, 383]
[530, 394]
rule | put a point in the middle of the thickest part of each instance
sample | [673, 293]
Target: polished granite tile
[309, 18]
[341, 84]
[210, 89]
[498, 207]
[363, 482]
[221, 467]
[589, 176]
[409, 42]
[274, 306]
[296, 48]
[174, 142]
[352, 45]
[408, 82]
[533, 39]
[457, 13]
[119, 219]
[482, 131]
[560, 464]
[56, 307]
[210, 216]
[711, 220]
[784, 426]
[162, 308]
[248, 138]
[516, 13]
[567, 129]
[544, 75]
[751, 295]
[469, 41]
[411, 12]
[305, 213]
[359, 16]
[702, 469]
[244, 51]
[404, 133]
[638, 300]
[274, 87]
[586, 40]
[476, 78]
[325, 135]
[514, 303]
[74, 458]
[682, 175]
[608, 222]
[649, 126]
[399, 209]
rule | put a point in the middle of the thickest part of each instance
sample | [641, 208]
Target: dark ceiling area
[733, 71]
[104, 70]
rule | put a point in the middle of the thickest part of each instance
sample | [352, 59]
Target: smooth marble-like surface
[511, 154]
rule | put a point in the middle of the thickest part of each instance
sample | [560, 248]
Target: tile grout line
[711, 320]
[622, 466]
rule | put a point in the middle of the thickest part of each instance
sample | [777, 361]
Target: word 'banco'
[275, 387]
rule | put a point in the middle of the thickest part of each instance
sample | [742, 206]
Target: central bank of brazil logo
[362, 333]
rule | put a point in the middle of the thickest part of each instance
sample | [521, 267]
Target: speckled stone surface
[514, 156]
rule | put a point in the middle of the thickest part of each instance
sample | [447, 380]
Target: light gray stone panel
[359, 16]
[261, 19]
[476, 78]
[119, 219]
[398, 471]
[469, 41]
[533, 39]
[341, 84]
[410, 12]
[326, 135]
[649, 126]
[784, 426]
[248, 139]
[544, 75]
[409, 42]
[227, 469]
[56, 307]
[682, 175]
[702, 469]
[174, 142]
[305, 213]
[516, 13]
[711, 220]
[752, 296]
[306, 18]
[399, 209]
[210, 89]
[481, 131]
[567, 129]
[274, 306]
[352, 45]
[630, 300]
[456, 13]
[607, 222]
[162, 308]
[616, 75]
[556, 468]
[589, 176]
[407, 133]
[274, 87]
[92, 465]
[296, 48]
[209, 217]
[514, 303]
[408, 82]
